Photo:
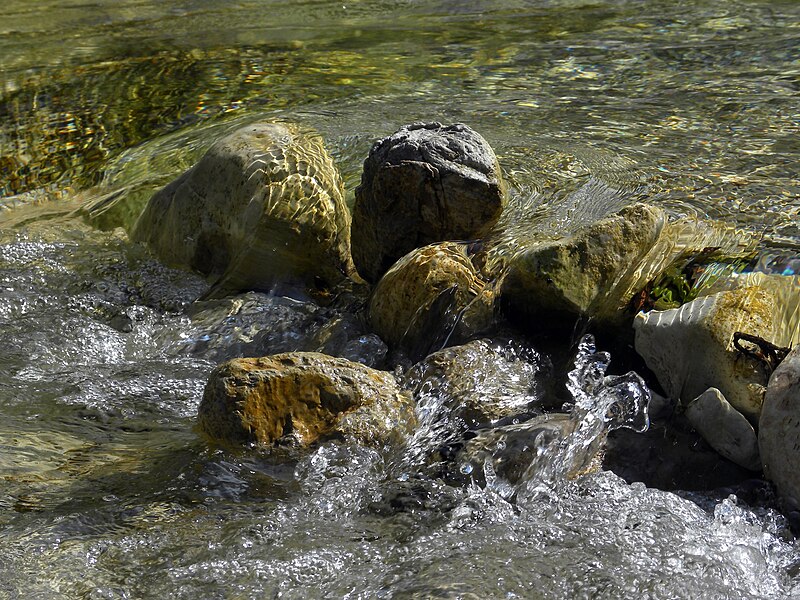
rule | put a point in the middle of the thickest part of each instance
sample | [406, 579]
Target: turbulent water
[107, 490]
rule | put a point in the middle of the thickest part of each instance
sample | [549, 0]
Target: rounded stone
[301, 398]
[264, 207]
[594, 272]
[431, 295]
[425, 183]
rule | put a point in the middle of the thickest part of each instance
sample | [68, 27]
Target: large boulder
[263, 208]
[598, 270]
[425, 183]
[430, 295]
[691, 348]
[300, 398]
[779, 430]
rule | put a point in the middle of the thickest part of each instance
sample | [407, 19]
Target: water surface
[106, 489]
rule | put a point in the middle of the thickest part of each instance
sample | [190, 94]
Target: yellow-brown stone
[302, 397]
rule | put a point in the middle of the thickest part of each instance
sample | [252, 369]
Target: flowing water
[107, 490]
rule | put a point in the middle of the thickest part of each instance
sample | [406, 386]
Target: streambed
[107, 490]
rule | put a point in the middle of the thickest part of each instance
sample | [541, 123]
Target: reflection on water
[106, 490]
[698, 104]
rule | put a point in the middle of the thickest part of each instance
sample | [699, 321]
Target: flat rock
[425, 183]
[300, 398]
[724, 428]
[779, 430]
[263, 208]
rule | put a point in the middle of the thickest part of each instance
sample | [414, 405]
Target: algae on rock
[301, 398]
[432, 295]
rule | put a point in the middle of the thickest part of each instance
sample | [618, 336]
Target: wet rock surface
[481, 383]
[514, 453]
[598, 270]
[779, 430]
[725, 429]
[592, 273]
[263, 208]
[430, 297]
[425, 183]
[300, 398]
[690, 349]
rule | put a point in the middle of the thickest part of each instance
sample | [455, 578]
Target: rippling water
[107, 491]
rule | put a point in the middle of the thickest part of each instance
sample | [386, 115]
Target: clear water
[106, 489]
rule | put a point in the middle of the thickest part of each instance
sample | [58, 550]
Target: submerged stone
[425, 183]
[300, 398]
[432, 295]
[479, 383]
[263, 208]
[779, 430]
[516, 453]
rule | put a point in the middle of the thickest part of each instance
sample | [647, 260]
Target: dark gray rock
[425, 183]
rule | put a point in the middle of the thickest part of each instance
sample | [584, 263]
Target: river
[106, 488]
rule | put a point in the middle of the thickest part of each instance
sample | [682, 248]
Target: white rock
[724, 428]
[690, 348]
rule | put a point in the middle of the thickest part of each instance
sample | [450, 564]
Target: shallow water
[106, 489]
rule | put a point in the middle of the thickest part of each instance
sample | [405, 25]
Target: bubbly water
[106, 488]
[108, 492]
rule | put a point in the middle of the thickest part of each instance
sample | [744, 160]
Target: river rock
[589, 273]
[425, 183]
[431, 295]
[724, 428]
[263, 208]
[690, 349]
[779, 430]
[301, 398]
[479, 383]
[598, 270]
[346, 336]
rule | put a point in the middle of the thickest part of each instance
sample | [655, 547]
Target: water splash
[602, 403]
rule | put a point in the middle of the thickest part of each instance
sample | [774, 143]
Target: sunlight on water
[106, 488]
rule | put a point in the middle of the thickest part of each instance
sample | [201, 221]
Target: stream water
[107, 490]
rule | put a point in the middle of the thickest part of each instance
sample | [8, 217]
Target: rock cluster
[264, 211]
